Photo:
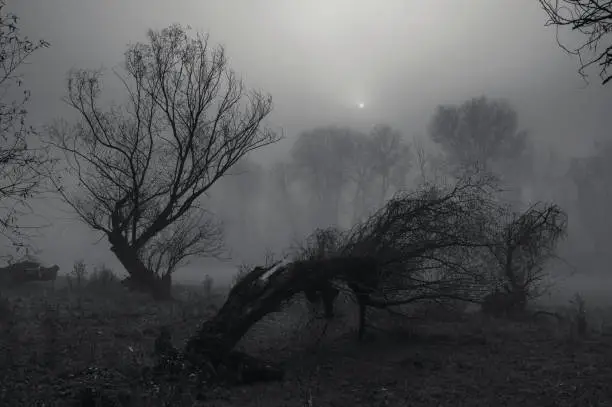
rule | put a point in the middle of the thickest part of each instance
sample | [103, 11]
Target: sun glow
[361, 105]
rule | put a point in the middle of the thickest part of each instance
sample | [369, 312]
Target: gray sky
[320, 58]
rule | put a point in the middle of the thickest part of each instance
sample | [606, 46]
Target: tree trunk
[247, 303]
[140, 277]
[252, 298]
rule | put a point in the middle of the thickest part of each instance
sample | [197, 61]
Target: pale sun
[361, 105]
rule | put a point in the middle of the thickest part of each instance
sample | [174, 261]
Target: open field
[56, 343]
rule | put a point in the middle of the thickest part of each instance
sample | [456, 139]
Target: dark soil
[62, 347]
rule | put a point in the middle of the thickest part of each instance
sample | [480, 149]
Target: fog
[319, 60]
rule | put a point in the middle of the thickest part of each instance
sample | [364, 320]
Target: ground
[58, 342]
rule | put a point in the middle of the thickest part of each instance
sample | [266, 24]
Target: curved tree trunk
[140, 277]
[252, 298]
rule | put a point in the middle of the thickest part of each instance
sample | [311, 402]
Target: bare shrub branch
[197, 235]
[21, 165]
[593, 19]
[525, 243]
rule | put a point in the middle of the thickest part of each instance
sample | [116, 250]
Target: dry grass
[56, 343]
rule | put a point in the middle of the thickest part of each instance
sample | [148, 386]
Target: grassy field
[56, 343]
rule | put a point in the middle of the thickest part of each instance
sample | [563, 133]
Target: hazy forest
[175, 235]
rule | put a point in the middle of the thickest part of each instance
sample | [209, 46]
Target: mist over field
[305, 203]
[350, 64]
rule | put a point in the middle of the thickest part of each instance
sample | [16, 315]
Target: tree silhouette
[390, 158]
[480, 131]
[485, 132]
[591, 176]
[323, 158]
[143, 167]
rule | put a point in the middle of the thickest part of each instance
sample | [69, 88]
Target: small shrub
[103, 277]
[78, 276]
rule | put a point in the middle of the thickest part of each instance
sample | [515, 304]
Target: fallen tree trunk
[263, 291]
[254, 297]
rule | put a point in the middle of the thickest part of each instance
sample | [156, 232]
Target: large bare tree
[21, 164]
[433, 244]
[408, 251]
[593, 19]
[390, 158]
[143, 167]
[591, 178]
[322, 158]
[485, 132]
[329, 161]
[237, 199]
[479, 130]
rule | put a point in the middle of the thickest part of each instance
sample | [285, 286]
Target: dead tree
[591, 18]
[416, 248]
[255, 295]
[141, 169]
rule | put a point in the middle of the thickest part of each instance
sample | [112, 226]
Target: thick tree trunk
[247, 303]
[252, 298]
[140, 277]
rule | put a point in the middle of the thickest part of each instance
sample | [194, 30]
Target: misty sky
[320, 58]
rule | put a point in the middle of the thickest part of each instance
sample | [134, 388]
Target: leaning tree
[142, 168]
[592, 19]
[431, 244]
[411, 249]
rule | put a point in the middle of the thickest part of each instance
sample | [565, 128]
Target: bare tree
[421, 246]
[282, 176]
[479, 130]
[21, 165]
[332, 161]
[236, 199]
[390, 158]
[417, 247]
[196, 235]
[485, 132]
[323, 158]
[524, 244]
[591, 177]
[593, 19]
[142, 168]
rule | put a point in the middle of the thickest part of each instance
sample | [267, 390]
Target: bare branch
[591, 18]
[22, 167]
